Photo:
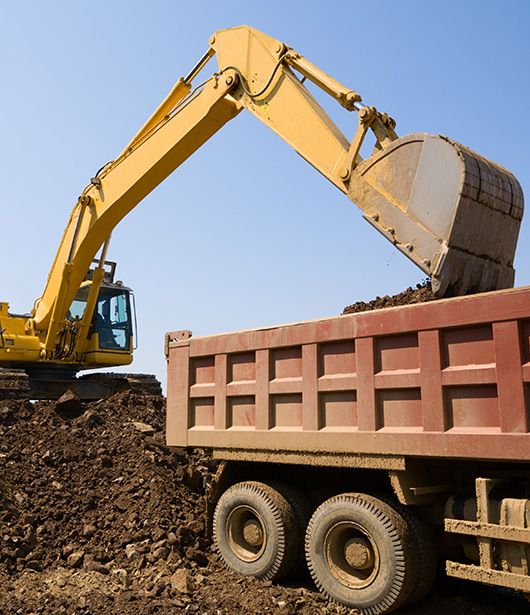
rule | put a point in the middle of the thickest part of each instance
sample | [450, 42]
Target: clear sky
[245, 233]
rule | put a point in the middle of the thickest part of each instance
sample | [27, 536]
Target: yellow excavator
[455, 214]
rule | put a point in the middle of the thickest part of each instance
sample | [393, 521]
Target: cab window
[112, 319]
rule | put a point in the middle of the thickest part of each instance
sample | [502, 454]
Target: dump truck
[373, 445]
[453, 213]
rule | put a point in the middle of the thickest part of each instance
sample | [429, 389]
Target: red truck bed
[447, 379]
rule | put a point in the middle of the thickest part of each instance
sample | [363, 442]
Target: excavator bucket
[451, 211]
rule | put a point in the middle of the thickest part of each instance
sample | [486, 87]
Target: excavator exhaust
[451, 211]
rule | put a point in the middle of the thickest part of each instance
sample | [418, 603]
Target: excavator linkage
[455, 214]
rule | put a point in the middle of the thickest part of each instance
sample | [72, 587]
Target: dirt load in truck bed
[421, 293]
[97, 515]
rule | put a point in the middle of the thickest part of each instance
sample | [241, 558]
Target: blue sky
[245, 233]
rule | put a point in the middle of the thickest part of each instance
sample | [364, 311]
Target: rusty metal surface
[499, 578]
[454, 213]
[488, 530]
[446, 379]
[336, 460]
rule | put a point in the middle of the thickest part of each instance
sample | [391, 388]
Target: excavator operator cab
[113, 318]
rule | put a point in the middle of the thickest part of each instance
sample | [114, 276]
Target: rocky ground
[97, 515]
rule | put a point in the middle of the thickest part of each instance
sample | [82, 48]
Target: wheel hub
[246, 533]
[253, 532]
[358, 553]
[351, 555]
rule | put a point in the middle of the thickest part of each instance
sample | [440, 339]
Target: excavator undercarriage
[17, 384]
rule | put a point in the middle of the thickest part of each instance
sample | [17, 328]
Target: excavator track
[16, 384]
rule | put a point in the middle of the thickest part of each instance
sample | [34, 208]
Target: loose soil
[420, 294]
[98, 516]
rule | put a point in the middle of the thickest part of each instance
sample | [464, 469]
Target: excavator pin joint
[344, 173]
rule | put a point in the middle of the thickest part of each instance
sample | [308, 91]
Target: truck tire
[426, 558]
[302, 509]
[424, 552]
[255, 531]
[358, 553]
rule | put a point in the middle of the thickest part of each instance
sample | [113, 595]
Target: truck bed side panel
[444, 379]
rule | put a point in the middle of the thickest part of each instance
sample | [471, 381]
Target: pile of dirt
[420, 294]
[98, 516]
[93, 488]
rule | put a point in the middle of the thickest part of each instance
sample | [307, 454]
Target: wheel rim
[351, 555]
[246, 533]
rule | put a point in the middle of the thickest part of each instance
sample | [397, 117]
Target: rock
[68, 403]
[89, 530]
[196, 556]
[75, 559]
[67, 549]
[143, 427]
[131, 551]
[105, 461]
[121, 576]
[180, 581]
[97, 567]
[160, 553]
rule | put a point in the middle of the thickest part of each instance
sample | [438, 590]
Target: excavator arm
[455, 214]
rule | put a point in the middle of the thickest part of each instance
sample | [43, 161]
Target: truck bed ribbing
[447, 379]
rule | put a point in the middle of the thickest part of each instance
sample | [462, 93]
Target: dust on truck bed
[447, 379]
